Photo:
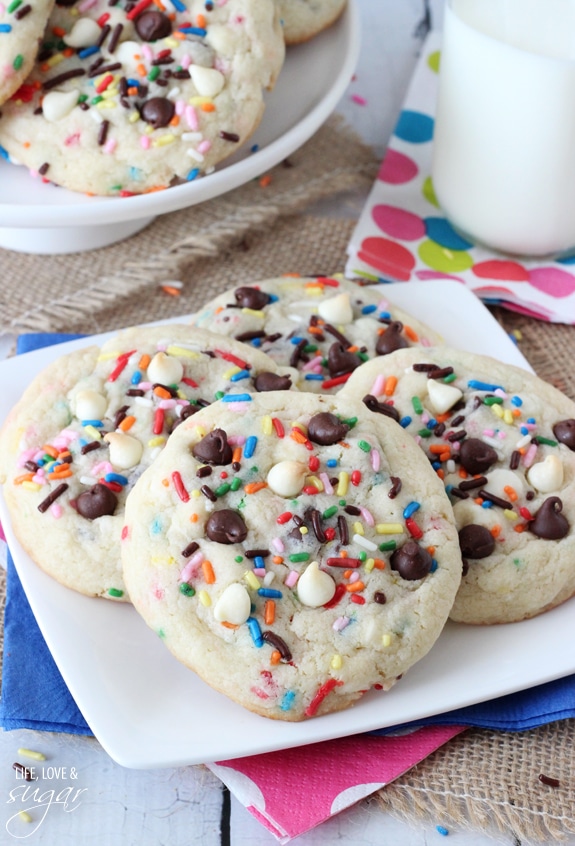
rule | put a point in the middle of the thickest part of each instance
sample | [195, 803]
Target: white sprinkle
[367, 544]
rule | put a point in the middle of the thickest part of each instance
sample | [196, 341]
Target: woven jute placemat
[482, 779]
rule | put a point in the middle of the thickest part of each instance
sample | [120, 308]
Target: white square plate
[147, 710]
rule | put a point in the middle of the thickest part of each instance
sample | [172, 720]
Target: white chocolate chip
[221, 39]
[84, 33]
[57, 104]
[547, 475]
[128, 53]
[441, 396]
[501, 478]
[336, 309]
[315, 587]
[208, 81]
[287, 477]
[125, 451]
[165, 369]
[90, 405]
[233, 606]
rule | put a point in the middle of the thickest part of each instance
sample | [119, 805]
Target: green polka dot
[433, 61]
[442, 259]
[429, 193]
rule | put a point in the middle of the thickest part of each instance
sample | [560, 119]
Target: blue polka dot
[442, 232]
[566, 260]
[414, 127]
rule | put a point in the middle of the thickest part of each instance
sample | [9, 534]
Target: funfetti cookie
[325, 327]
[293, 556]
[303, 19]
[503, 441]
[132, 97]
[88, 426]
[22, 26]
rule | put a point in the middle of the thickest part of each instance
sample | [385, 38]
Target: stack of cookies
[297, 490]
[130, 96]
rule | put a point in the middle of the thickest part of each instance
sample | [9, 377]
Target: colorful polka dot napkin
[402, 234]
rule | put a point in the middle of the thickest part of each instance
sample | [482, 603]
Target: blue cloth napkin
[34, 694]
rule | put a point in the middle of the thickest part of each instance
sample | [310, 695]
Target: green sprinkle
[236, 484]
[14, 5]
[238, 559]
[222, 490]
[154, 73]
[187, 590]
[219, 394]
[451, 378]
[95, 100]
[254, 469]
[242, 502]
[364, 446]
[161, 632]
[417, 406]
[387, 546]
[363, 555]
[113, 591]
[296, 557]
[309, 348]
[424, 433]
[546, 441]
[349, 421]
[329, 512]
[115, 187]
[18, 61]
[82, 98]
[493, 401]
[343, 503]
[363, 356]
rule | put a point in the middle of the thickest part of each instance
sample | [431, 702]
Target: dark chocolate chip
[247, 297]
[548, 523]
[476, 541]
[158, 111]
[564, 431]
[411, 561]
[340, 361]
[97, 502]
[213, 448]
[476, 456]
[271, 382]
[153, 25]
[226, 526]
[325, 428]
[391, 339]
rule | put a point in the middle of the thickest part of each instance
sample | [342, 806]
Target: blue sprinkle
[156, 526]
[116, 477]
[5, 28]
[287, 700]
[524, 430]
[410, 509]
[237, 398]
[431, 424]
[259, 563]
[96, 423]
[178, 5]
[443, 831]
[133, 83]
[192, 174]
[270, 593]
[136, 377]
[254, 148]
[331, 462]
[313, 377]
[516, 401]
[135, 174]
[257, 342]
[449, 488]
[386, 315]
[88, 51]
[486, 504]
[273, 298]
[436, 465]
[250, 446]
[369, 309]
[433, 565]
[405, 421]
[5, 154]
[237, 377]
[483, 386]
[296, 340]
[193, 30]
[255, 631]
[531, 420]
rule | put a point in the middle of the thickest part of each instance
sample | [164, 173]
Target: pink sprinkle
[86, 4]
[39, 479]
[383, 305]
[110, 145]
[278, 544]
[102, 468]
[186, 61]
[147, 52]
[192, 118]
[204, 146]
[501, 435]
[260, 572]
[56, 510]
[375, 460]
[367, 516]
[145, 142]
[327, 486]
[499, 392]
[167, 403]
[180, 107]
[191, 566]
[425, 342]
[378, 386]
[72, 139]
[354, 577]
[529, 456]
[291, 578]
[236, 440]
[341, 623]
[530, 426]
[145, 386]
[361, 101]
[490, 433]
[425, 418]
[312, 363]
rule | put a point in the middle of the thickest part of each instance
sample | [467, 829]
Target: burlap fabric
[482, 779]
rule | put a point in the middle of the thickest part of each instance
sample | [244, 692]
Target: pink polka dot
[509, 271]
[398, 223]
[552, 281]
[397, 168]
[427, 275]
[388, 257]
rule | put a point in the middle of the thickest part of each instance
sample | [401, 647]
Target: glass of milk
[504, 139]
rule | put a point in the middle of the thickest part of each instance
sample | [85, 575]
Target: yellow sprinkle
[182, 351]
[267, 425]
[204, 598]
[342, 484]
[106, 104]
[31, 753]
[369, 565]
[301, 426]
[497, 410]
[31, 486]
[231, 372]
[314, 291]
[389, 529]
[254, 312]
[164, 140]
[199, 101]
[180, 394]
[303, 530]
[154, 442]
[109, 355]
[517, 334]
[196, 493]
[252, 581]
[317, 483]
[336, 662]
[386, 640]
[163, 560]
[508, 417]
[201, 432]
[171, 42]
[511, 515]
[55, 60]
[93, 432]
[110, 92]
[149, 129]
[358, 528]
[25, 816]
[134, 117]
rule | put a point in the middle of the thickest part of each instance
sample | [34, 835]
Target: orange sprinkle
[237, 454]
[478, 501]
[176, 34]
[277, 559]
[127, 423]
[440, 473]
[25, 477]
[462, 473]
[229, 625]
[445, 456]
[516, 412]
[68, 52]
[26, 144]
[441, 418]
[160, 5]
[208, 572]
[63, 473]
[411, 333]
[379, 564]
[343, 553]
[144, 361]
[495, 530]
[511, 493]
[50, 450]
[315, 330]
[275, 657]
[265, 181]
[355, 587]
[193, 518]
[165, 482]
[175, 120]
[390, 386]
[201, 21]
[132, 91]
[298, 436]
[254, 487]
[438, 449]
[141, 69]
[207, 107]
[269, 612]
[296, 276]
[162, 392]
[44, 67]
[520, 527]
[347, 574]
[64, 453]
[353, 349]
[59, 31]
[431, 550]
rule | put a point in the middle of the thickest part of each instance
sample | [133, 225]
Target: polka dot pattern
[397, 168]
[398, 223]
[389, 257]
[415, 127]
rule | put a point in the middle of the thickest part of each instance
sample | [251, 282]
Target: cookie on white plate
[323, 326]
[303, 19]
[22, 26]
[291, 555]
[130, 98]
[503, 441]
[91, 422]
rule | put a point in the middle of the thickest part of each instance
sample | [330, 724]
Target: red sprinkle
[122, 361]
[413, 528]
[187, 381]
[356, 477]
[283, 518]
[310, 490]
[180, 487]
[324, 690]
[338, 380]
[350, 563]
[525, 513]
[278, 426]
[104, 83]
[325, 280]
[340, 591]
[114, 486]
[359, 600]
[313, 463]
[138, 9]
[158, 421]
[103, 19]
[329, 533]
[233, 359]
